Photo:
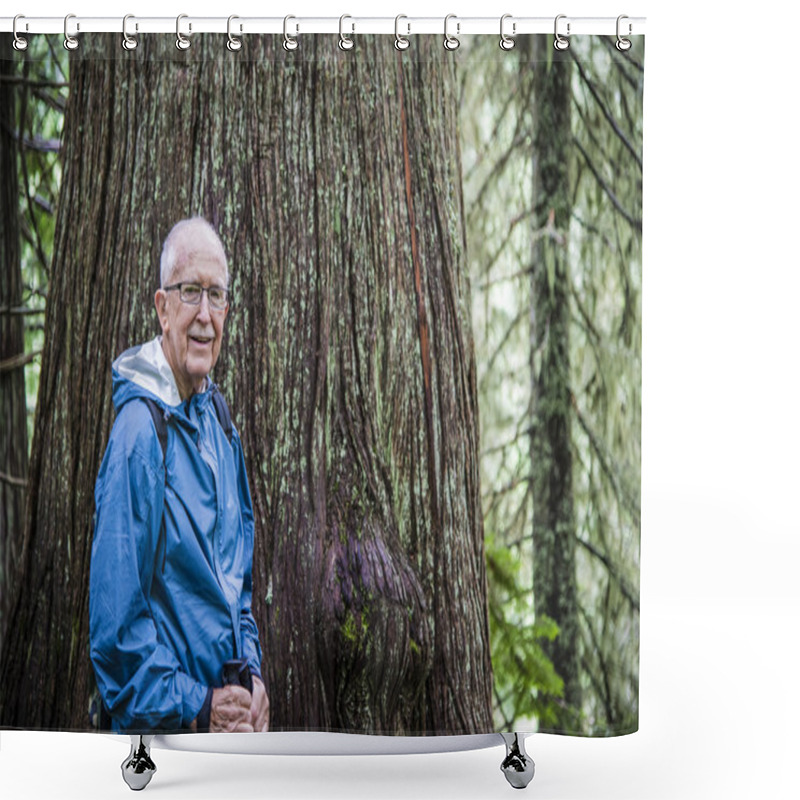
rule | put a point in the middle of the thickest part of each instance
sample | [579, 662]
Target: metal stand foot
[518, 766]
[138, 768]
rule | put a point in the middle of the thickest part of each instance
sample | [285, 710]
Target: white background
[720, 703]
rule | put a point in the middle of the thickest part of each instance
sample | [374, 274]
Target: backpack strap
[223, 412]
[220, 406]
[161, 424]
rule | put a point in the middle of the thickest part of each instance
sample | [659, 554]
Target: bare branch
[621, 491]
[26, 180]
[619, 58]
[20, 483]
[503, 341]
[584, 314]
[24, 80]
[55, 101]
[20, 311]
[41, 145]
[600, 682]
[492, 138]
[606, 113]
[15, 362]
[613, 572]
[549, 230]
[497, 171]
[36, 143]
[497, 448]
[504, 278]
[635, 223]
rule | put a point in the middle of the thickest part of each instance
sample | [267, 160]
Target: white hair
[187, 236]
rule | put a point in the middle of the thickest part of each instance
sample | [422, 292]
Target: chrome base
[138, 768]
[518, 766]
[320, 743]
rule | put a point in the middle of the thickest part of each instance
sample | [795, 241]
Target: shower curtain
[432, 358]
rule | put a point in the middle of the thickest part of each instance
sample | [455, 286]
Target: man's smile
[201, 340]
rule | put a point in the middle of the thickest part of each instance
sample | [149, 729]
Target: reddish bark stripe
[422, 316]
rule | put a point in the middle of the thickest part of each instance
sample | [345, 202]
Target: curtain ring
[451, 42]
[128, 42]
[289, 42]
[401, 42]
[507, 42]
[20, 43]
[182, 42]
[345, 42]
[234, 44]
[560, 43]
[623, 44]
[70, 42]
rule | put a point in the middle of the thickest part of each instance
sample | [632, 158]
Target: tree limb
[20, 483]
[15, 362]
[635, 223]
[20, 311]
[619, 490]
[25, 180]
[23, 80]
[606, 113]
[613, 572]
[499, 347]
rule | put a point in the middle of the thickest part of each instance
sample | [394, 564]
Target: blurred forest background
[551, 150]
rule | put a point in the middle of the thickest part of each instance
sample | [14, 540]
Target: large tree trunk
[334, 180]
[555, 587]
[13, 413]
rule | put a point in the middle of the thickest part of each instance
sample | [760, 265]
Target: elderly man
[173, 641]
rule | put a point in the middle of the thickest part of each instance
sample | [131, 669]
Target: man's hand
[230, 710]
[259, 708]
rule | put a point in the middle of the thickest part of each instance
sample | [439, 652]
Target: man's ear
[161, 308]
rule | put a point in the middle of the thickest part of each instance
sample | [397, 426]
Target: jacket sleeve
[249, 631]
[140, 681]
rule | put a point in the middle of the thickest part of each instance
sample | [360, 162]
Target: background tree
[13, 422]
[31, 113]
[554, 235]
[554, 576]
[349, 365]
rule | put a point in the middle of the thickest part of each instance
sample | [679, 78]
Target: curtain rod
[406, 25]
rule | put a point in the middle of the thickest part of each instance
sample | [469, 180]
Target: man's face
[192, 334]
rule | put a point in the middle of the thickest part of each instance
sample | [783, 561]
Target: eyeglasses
[192, 294]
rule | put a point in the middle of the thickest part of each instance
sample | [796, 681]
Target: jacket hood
[144, 370]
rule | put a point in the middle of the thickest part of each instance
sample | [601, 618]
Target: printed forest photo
[431, 357]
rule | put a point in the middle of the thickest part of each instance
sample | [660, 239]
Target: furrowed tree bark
[13, 412]
[334, 181]
[554, 578]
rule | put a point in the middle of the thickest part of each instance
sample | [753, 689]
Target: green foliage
[526, 687]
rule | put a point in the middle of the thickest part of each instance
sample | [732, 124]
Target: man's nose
[204, 311]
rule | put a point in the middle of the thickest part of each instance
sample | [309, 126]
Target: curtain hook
[560, 42]
[451, 42]
[401, 42]
[289, 42]
[182, 42]
[345, 42]
[507, 42]
[20, 43]
[128, 42]
[70, 42]
[623, 44]
[234, 44]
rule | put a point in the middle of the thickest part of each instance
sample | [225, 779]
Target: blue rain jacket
[170, 585]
